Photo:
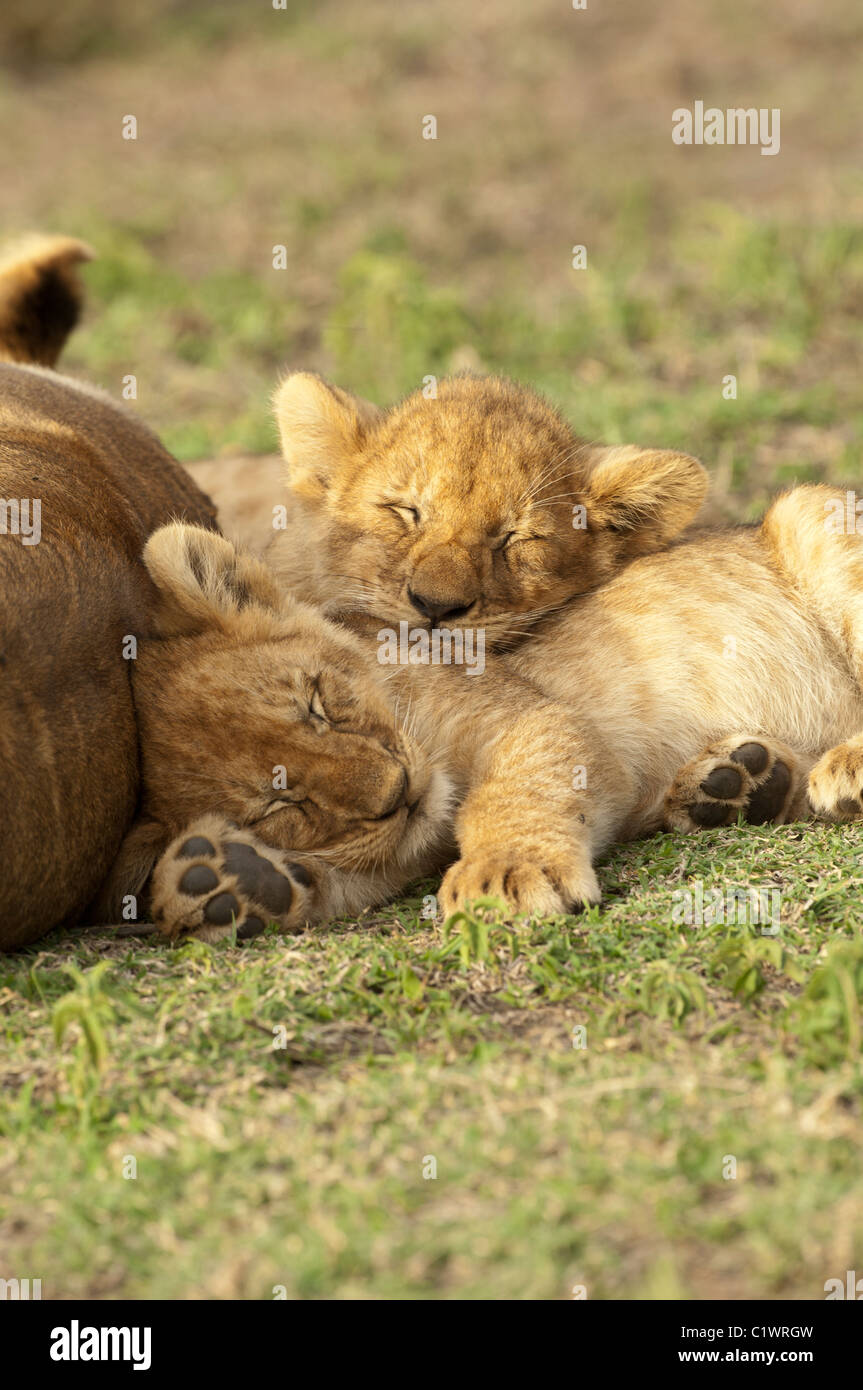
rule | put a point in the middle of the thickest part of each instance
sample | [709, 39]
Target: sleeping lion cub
[720, 676]
[477, 508]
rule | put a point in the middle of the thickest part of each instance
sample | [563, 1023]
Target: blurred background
[302, 127]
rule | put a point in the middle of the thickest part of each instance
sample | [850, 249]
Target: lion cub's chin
[428, 830]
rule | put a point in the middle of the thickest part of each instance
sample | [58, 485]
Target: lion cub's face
[252, 706]
[478, 508]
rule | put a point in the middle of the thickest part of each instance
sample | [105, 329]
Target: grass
[580, 1089]
[405, 1046]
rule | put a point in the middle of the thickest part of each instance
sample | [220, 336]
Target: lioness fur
[102, 483]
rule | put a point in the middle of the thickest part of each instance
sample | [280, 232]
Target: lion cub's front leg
[526, 835]
[746, 774]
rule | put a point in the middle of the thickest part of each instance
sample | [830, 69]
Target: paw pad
[258, 877]
[235, 882]
[753, 756]
[199, 879]
[733, 777]
[723, 782]
[767, 800]
[195, 847]
[222, 910]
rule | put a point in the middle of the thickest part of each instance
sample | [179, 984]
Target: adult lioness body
[82, 484]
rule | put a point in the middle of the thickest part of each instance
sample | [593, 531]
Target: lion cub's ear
[321, 427]
[204, 581]
[649, 494]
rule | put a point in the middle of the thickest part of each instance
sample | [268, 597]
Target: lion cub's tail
[40, 297]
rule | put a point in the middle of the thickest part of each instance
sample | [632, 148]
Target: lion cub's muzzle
[365, 779]
[398, 799]
[444, 584]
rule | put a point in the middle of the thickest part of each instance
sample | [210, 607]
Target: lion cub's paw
[759, 777]
[523, 884]
[214, 878]
[835, 787]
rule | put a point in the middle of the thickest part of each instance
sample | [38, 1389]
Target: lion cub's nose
[435, 608]
[393, 791]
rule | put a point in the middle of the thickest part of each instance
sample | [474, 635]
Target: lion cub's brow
[479, 523]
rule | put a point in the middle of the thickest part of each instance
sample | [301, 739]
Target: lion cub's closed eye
[478, 507]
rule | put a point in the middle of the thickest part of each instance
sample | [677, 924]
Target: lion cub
[479, 508]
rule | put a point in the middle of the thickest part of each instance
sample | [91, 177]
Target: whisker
[559, 496]
[566, 460]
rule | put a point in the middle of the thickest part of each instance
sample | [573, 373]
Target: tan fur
[68, 738]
